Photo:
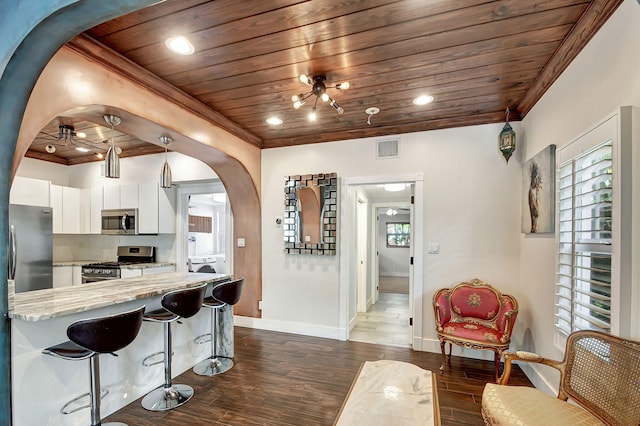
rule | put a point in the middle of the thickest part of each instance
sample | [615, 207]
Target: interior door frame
[182, 220]
[362, 239]
[347, 249]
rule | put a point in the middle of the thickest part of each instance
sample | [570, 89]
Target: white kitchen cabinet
[65, 203]
[76, 275]
[56, 207]
[95, 214]
[128, 273]
[62, 276]
[70, 210]
[120, 196]
[111, 197]
[30, 192]
[129, 196]
[85, 211]
[147, 208]
[166, 210]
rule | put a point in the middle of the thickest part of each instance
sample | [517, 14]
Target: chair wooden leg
[444, 358]
[496, 358]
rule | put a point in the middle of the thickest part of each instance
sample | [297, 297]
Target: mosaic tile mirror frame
[310, 214]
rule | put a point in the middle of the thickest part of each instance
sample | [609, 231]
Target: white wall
[472, 208]
[603, 77]
[393, 261]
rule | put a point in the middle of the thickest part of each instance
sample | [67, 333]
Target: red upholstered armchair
[474, 315]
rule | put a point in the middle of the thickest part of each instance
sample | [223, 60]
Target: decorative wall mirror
[310, 214]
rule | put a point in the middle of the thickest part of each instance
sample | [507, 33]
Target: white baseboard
[290, 327]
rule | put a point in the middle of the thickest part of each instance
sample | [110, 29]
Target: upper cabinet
[29, 192]
[156, 206]
[121, 196]
[65, 202]
[79, 210]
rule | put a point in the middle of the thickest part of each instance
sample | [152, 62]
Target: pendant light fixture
[507, 142]
[165, 174]
[112, 161]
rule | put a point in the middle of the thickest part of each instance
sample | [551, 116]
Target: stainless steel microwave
[120, 221]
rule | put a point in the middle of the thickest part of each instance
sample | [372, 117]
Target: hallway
[385, 323]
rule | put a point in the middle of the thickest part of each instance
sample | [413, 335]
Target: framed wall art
[538, 192]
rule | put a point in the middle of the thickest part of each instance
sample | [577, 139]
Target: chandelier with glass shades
[319, 89]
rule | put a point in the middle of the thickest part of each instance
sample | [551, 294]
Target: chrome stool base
[213, 366]
[163, 399]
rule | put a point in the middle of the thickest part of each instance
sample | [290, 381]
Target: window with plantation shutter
[584, 273]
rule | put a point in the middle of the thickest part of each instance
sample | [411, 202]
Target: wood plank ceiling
[475, 57]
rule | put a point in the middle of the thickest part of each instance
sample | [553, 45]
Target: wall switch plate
[433, 248]
[241, 242]
[259, 305]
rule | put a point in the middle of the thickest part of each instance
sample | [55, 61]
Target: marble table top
[49, 303]
[391, 393]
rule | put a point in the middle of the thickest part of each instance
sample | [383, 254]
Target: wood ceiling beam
[108, 58]
[593, 18]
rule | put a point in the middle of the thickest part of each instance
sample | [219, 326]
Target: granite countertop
[147, 265]
[73, 263]
[131, 266]
[41, 305]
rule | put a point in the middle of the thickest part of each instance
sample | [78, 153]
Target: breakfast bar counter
[56, 302]
[42, 384]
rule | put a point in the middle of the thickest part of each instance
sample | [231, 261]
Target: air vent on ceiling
[388, 148]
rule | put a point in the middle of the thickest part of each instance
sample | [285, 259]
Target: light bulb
[312, 114]
[423, 100]
[342, 86]
[304, 79]
[180, 45]
[295, 98]
[325, 97]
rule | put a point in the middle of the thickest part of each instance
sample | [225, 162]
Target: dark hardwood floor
[288, 379]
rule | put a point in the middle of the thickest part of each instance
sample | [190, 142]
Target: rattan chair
[600, 373]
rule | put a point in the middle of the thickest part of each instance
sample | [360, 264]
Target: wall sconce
[507, 141]
[112, 160]
[165, 174]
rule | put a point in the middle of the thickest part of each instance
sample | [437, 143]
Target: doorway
[383, 250]
[204, 229]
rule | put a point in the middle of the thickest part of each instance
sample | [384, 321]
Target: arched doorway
[47, 28]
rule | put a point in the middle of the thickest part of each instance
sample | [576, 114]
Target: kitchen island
[42, 384]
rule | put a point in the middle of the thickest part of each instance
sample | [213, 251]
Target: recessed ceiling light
[394, 187]
[180, 45]
[274, 121]
[423, 100]
[81, 149]
[81, 135]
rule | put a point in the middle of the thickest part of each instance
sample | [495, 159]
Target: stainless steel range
[127, 255]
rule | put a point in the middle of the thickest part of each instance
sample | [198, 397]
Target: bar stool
[227, 293]
[88, 339]
[177, 304]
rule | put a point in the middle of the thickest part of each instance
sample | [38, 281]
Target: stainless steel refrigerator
[30, 247]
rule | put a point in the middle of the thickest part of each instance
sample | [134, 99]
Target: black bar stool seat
[227, 293]
[176, 304]
[88, 339]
